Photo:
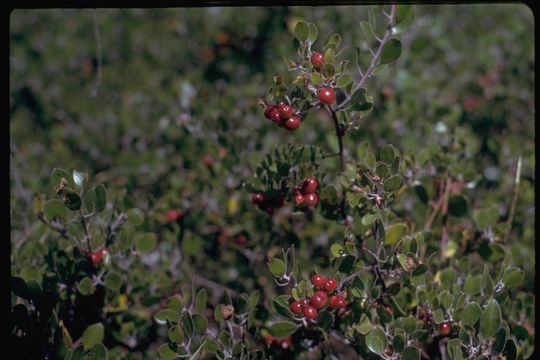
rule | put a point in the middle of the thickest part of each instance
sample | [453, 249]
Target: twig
[85, 227]
[98, 49]
[374, 59]
[113, 228]
[214, 286]
[348, 278]
[514, 201]
[339, 135]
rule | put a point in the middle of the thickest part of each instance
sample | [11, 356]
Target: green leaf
[453, 348]
[85, 286]
[276, 267]
[211, 345]
[101, 198]
[113, 280]
[162, 316]
[301, 31]
[90, 200]
[282, 329]
[376, 340]
[457, 205]
[254, 299]
[281, 306]
[398, 342]
[387, 154]
[135, 216]
[329, 56]
[200, 322]
[325, 319]
[402, 259]
[329, 194]
[445, 298]
[55, 209]
[390, 51]
[394, 233]
[365, 325]
[166, 353]
[404, 18]
[336, 250]
[500, 340]
[316, 78]
[410, 353]
[438, 316]
[346, 264]
[93, 335]
[369, 219]
[187, 322]
[343, 80]
[409, 324]
[313, 32]
[472, 284]
[200, 300]
[176, 334]
[512, 277]
[471, 314]
[490, 320]
[145, 242]
[392, 183]
[57, 174]
[72, 200]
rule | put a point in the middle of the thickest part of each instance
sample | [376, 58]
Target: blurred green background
[139, 97]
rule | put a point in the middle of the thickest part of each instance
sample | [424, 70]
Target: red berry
[298, 199]
[285, 110]
[257, 198]
[240, 240]
[388, 309]
[318, 300]
[311, 199]
[339, 302]
[445, 328]
[269, 210]
[304, 302]
[208, 160]
[423, 315]
[269, 339]
[292, 123]
[327, 95]
[318, 281]
[275, 117]
[96, 257]
[171, 215]
[296, 307]
[310, 185]
[268, 111]
[332, 300]
[310, 312]
[330, 285]
[317, 58]
[285, 343]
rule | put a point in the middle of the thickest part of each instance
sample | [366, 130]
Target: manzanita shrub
[389, 285]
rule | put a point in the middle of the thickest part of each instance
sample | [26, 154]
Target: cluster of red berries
[97, 256]
[279, 343]
[325, 287]
[283, 115]
[173, 215]
[306, 193]
[326, 94]
[268, 205]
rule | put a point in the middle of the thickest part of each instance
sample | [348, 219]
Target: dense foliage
[345, 182]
